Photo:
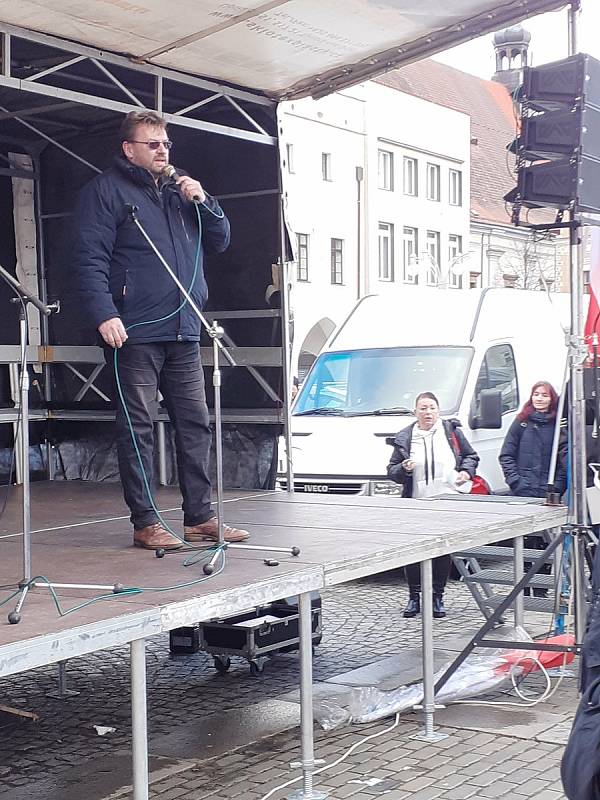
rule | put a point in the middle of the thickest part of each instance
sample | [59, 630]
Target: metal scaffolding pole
[577, 407]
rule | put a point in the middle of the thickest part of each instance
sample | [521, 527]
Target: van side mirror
[490, 410]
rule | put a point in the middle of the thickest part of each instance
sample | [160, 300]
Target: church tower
[511, 46]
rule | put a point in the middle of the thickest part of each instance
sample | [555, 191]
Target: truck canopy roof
[280, 48]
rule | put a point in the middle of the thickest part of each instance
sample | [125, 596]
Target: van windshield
[384, 380]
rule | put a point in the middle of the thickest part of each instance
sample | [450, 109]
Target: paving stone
[461, 792]
[486, 778]
[498, 789]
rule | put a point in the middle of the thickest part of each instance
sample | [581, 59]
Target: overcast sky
[549, 41]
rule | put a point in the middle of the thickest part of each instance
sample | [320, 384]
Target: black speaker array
[558, 146]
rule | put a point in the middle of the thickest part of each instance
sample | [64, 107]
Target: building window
[433, 249]
[326, 166]
[433, 182]
[337, 261]
[289, 154]
[411, 176]
[410, 248]
[386, 251]
[454, 251]
[386, 170]
[302, 264]
[455, 190]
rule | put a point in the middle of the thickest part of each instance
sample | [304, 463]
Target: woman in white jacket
[431, 457]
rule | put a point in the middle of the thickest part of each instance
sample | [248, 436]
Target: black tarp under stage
[58, 128]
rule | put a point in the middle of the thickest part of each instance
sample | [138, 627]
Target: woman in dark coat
[526, 455]
[431, 457]
[527, 450]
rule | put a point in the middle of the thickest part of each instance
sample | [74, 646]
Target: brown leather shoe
[154, 536]
[209, 530]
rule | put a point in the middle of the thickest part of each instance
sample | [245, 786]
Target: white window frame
[410, 249]
[302, 246]
[433, 182]
[337, 265]
[455, 187]
[455, 243]
[386, 251]
[385, 166]
[326, 166]
[433, 249]
[410, 176]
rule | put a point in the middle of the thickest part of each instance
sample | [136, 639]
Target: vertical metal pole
[25, 445]
[162, 453]
[15, 394]
[359, 184]
[577, 416]
[139, 720]
[43, 293]
[428, 734]
[6, 59]
[573, 23]
[63, 691]
[218, 430]
[577, 428]
[158, 93]
[306, 704]
[518, 574]
[558, 579]
[286, 344]
[556, 437]
[62, 677]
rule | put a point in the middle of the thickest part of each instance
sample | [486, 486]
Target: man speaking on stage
[151, 334]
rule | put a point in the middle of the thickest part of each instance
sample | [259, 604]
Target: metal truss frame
[96, 94]
[76, 53]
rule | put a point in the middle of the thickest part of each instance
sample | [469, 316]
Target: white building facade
[377, 193]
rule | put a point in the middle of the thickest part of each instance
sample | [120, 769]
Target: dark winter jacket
[117, 274]
[466, 458]
[525, 456]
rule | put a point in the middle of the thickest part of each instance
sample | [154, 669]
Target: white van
[479, 351]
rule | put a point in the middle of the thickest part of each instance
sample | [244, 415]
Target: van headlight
[385, 487]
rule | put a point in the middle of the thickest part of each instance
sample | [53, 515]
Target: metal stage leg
[519, 607]
[306, 705]
[428, 734]
[139, 720]
[63, 691]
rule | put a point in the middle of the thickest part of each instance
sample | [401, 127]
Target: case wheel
[257, 666]
[222, 664]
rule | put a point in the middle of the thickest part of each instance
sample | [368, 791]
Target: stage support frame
[139, 720]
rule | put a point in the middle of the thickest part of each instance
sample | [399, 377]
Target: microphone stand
[216, 332]
[23, 298]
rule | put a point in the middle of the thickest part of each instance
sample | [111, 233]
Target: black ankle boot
[413, 607]
[438, 606]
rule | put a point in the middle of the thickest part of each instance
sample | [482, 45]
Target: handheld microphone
[169, 171]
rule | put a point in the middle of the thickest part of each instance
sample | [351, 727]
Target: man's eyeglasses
[154, 144]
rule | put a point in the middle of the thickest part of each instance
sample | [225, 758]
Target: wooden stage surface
[81, 534]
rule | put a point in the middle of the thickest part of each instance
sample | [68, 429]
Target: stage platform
[81, 534]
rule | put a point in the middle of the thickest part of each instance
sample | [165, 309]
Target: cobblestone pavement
[515, 757]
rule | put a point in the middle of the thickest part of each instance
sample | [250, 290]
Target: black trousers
[440, 567]
[174, 368]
